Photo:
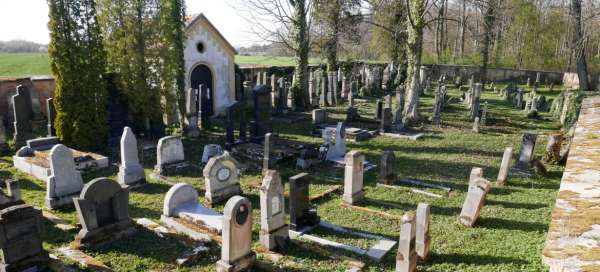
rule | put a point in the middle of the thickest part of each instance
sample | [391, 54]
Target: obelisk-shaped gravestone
[131, 171]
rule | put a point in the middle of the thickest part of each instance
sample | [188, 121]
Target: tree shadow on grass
[138, 212]
[498, 223]
[29, 185]
[471, 259]
[516, 205]
[152, 188]
[448, 211]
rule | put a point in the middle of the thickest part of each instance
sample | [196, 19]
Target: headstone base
[61, 202]
[105, 235]
[409, 265]
[276, 239]
[222, 194]
[193, 234]
[309, 219]
[131, 176]
[241, 264]
[521, 170]
[169, 169]
[34, 263]
[388, 180]
[354, 198]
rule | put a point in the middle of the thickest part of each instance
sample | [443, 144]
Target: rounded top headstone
[100, 190]
[238, 208]
[179, 194]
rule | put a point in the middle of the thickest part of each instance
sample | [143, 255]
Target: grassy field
[509, 235]
[32, 64]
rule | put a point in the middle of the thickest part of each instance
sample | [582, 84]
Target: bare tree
[578, 44]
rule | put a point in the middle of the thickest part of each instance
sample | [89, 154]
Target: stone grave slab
[526, 155]
[181, 202]
[423, 239]
[504, 167]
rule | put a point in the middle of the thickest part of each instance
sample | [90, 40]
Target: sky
[28, 19]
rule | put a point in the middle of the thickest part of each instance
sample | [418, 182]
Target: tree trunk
[489, 19]
[332, 36]
[301, 44]
[578, 44]
[463, 28]
[415, 24]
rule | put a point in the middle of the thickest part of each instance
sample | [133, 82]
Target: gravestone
[474, 202]
[504, 167]
[352, 114]
[131, 172]
[319, 116]
[475, 100]
[338, 151]
[65, 181]
[351, 99]
[221, 178]
[50, 114]
[4, 149]
[378, 109]
[423, 239]
[262, 113]
[103, 212]
[397, 118]
[406, 258]
[211, 150]
[353, 178]
[323, 97]
[169, 156]
[386, 120]
[273, 229]
[301, 213]
[21, 248]
[268, 146]
[519, 99]
[236, 249]
[476, 173]
[484, 111]
[205, 107]
[526, 155]
[330, 87]
[386, 168]
[191, 111]
[12, 196]
[181, 203]
[22, 116]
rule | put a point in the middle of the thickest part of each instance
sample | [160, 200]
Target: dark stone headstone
[301, 214]
[103, 211]
[262, 112]
[527, 151]
[205, 108]
[22, 113]
[20, 239]
[378, 109]
[386, 120]
[51, 114]
[352, 114]
[386, 168]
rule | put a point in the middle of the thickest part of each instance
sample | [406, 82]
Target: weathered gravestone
[386, 120]
[131, 171]
[273, 229]
[386, 168]
[268, 162]
[236, 253]
[12, 196]
[211, 150]
[20, 239]
[181, 202]
[262, 112]
[301, 214]
[378, 109]
[504, 167]
[191, 112]
[22, 114]
[423, 239]
[169, 156]
[319, 116]
[3, 145]
[526, 155]
[103, 212]
[406, 258]
[353, 178]
[476, 173]
[475, 101]
[221, 178]
[474, 202]
[338, 151]
[65, 181]
[50, 114]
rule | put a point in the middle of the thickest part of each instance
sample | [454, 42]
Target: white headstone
[338, 151]
[353, 178]
[423, 240]
[169, 154]
[181, 201]
[236, 253]
[221, 178]
[65, 181]
[130, 170]
[474, 202]
[406, 258]
[273, 229]
[504, 167]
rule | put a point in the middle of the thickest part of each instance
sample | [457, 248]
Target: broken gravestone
[103, 212]
[221, 178]
[236, 252]
[526, 155]
[65, 181]
[273, 229]
[406, 258]
[131, 171]
[301, 213]
[474, 202]
[353, 178]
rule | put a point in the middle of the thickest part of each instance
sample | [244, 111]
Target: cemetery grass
[509, 235]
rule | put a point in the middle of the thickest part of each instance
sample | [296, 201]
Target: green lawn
[509, 235]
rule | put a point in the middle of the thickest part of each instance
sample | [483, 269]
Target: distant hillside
[19, 46]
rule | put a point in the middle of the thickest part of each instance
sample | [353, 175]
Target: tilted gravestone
[65, 181]
[301, 213]
[526, 155]
[20, 239]
[103, 212]
[181, 201]
[353, 178]
[476, 173]
[169, 155]
[504, 167]
[236, 252]
[273, 229]
[50, 114]
[221, 178]
[12, 196]
[423, 239]
[386, 168]
[131, 171]
[406, 258]
[474, 202]
[22, 114]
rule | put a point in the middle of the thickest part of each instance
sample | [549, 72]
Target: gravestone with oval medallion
[221, 178]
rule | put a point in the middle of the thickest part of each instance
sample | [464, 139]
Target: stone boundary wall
[573, 240]
[41, 87]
